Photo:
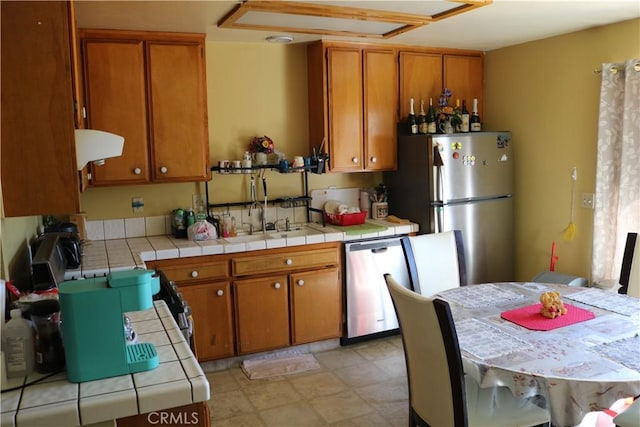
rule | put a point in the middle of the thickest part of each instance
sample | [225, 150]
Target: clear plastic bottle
[17, 344]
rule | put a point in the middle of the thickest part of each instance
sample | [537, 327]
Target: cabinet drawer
[194, 270]
[286, 261]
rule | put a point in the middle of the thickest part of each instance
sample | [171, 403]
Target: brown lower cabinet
[262, 308]
[260, 300]
[213, 337]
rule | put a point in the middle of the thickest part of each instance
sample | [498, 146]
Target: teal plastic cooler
[92, 313]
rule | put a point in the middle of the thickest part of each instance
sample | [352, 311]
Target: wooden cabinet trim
[37, 95]
[284, 262]
[168, 140]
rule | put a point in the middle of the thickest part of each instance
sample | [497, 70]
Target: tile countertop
[178, 380]
[103, 256]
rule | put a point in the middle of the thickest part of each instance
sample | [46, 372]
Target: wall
[547, 94]
[253, 89]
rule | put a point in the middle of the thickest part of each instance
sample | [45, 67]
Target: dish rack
[355, 218]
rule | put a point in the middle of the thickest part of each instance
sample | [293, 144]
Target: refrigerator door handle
[439, 214]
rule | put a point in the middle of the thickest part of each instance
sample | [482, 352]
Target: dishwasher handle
[379, 250]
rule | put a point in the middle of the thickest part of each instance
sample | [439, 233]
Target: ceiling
[495, 25]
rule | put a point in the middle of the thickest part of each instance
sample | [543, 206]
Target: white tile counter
[178, 380]
[103, 256]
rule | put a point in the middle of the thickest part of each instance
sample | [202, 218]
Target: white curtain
[617, 205]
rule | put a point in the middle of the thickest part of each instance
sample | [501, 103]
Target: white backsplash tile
[134, 227]
[114, 229]
[95, 230]
[156, 225]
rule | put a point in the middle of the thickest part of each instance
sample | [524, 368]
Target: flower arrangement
[447, 112]
[261, 144]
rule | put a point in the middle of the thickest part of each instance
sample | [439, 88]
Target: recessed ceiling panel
[381, 19]
[290, 22]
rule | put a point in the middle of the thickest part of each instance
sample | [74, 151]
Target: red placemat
[530, 317]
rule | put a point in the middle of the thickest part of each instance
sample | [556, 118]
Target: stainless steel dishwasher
[369, 311]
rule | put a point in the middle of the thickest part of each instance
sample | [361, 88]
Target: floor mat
[282, 365]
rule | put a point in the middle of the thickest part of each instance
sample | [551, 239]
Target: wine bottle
[422, 119]
[413, 123]
[475, 117]
[464, 115]
[431, 118]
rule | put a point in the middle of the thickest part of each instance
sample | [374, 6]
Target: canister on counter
[179, 223]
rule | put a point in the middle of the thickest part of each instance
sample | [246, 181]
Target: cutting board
[348, 196]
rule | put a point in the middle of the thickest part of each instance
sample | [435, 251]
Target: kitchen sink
[244, 238]
[301, 232]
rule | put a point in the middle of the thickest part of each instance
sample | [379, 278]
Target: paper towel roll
[365, 202]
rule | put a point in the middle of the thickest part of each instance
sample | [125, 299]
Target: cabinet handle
[355, 160]
[289, 261]
[137, 171]
[277, 285]
[300, 282]
[374, 159]
[194, 273]
[163, 169]
[220, 292]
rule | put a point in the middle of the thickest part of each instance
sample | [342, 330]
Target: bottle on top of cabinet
[413, 123]
[431, 118]
[422, 120]
[464, 115]
[475, 124]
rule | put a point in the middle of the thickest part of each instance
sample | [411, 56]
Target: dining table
[576, 363]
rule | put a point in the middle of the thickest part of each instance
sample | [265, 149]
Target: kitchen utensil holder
[379, 210]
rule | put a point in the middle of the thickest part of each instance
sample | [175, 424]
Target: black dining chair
[439, 393]
[630, 270]
[435, 261]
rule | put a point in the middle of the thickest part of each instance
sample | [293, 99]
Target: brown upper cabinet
[353, 93]
[150, 88]
[423, 75]
[39, 175]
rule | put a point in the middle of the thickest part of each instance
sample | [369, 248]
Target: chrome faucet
[262, 222]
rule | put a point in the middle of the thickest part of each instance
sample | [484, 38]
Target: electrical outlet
[137, 204]
[588, 200]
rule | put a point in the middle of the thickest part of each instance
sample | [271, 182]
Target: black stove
[179, 308]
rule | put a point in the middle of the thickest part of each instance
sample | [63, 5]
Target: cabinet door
[345, 109]
[262, 313]
[38, 167]
[178, 112]
[212, 319]
[380, 100]
[116, 102]
[420, 79]
[316, 305]
[463, 75]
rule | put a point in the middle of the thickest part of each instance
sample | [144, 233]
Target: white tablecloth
[578, 368]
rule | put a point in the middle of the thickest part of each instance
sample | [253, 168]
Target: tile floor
[362, 384]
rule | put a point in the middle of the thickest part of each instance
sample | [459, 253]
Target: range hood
[96, 145]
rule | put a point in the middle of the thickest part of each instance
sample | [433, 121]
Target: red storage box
[346, 219]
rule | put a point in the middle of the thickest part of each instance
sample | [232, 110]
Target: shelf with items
[302, 200]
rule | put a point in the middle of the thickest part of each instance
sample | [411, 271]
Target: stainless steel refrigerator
[464, 182]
